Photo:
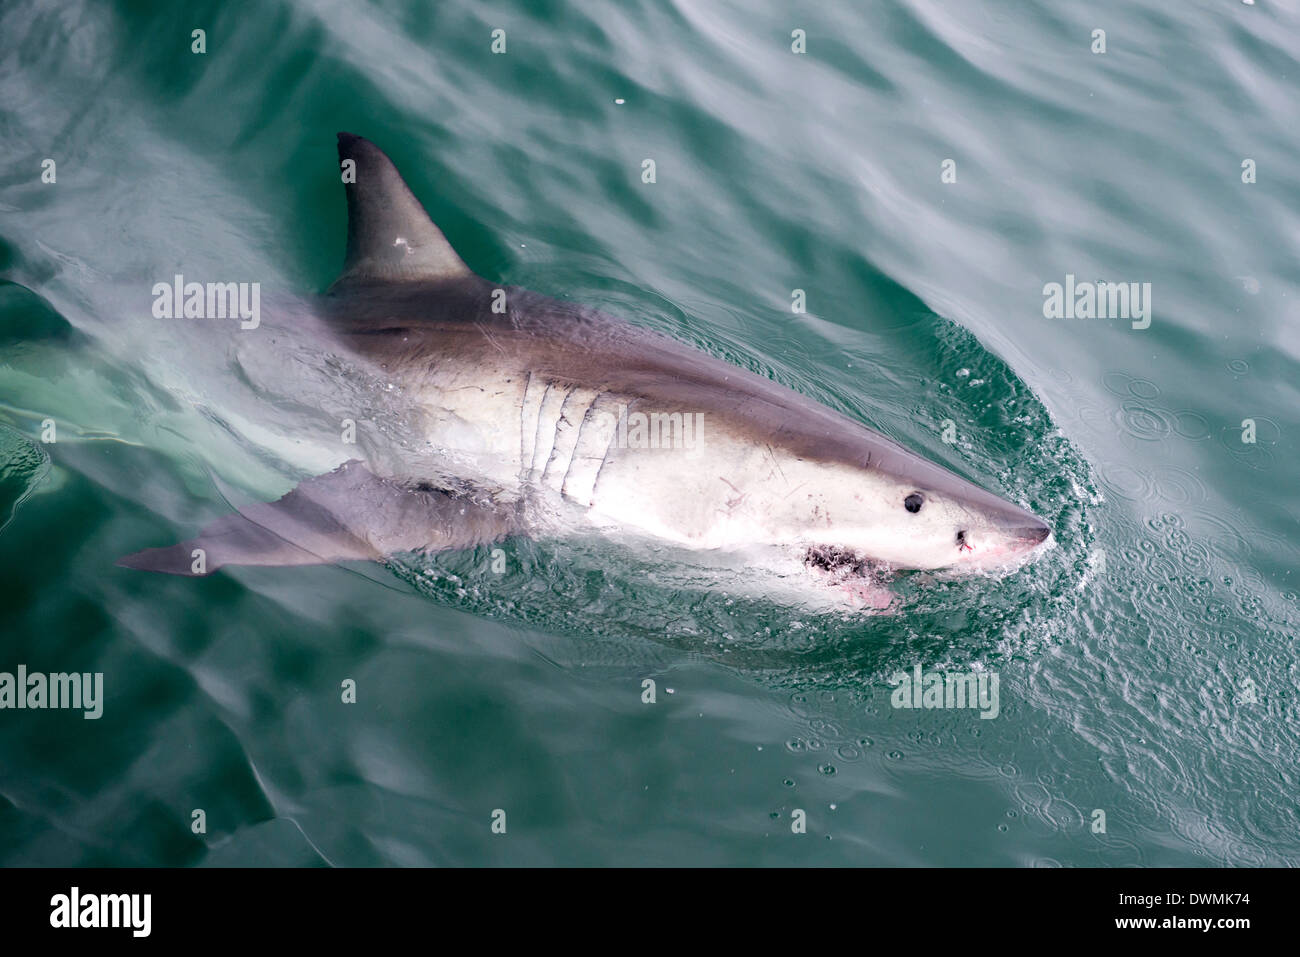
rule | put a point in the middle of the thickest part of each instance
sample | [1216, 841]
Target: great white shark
[543, 417]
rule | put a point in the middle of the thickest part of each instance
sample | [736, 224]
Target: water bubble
[1178, 486]
[1117, 383]
[1127, 482]
[1143, 389]
[1191, 425]
[1143, 422]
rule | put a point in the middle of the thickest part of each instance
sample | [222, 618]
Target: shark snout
[1038, 533]
[1033, 533]
[1008, 534]
[1021, 537]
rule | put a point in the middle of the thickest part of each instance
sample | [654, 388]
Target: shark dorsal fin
[390, 236]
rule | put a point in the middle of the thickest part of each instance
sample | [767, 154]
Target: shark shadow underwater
[545, 418]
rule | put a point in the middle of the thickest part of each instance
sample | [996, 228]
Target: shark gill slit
[604, 460]
[524, 453]
[568, 426]
[529, 421]
[554, 400]
[599, 428]
[584, 434]
[557, 433]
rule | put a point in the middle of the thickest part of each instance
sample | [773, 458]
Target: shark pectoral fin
[347, 514]
[390, 236]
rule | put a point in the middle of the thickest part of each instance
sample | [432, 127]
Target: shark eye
[914, 502]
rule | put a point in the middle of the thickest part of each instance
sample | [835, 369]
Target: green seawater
[1148, 663]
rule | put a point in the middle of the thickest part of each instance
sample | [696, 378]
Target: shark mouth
[863, 581]
[843, 562]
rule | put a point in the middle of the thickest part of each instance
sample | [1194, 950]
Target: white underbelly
[569, 451]
[717, 495]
